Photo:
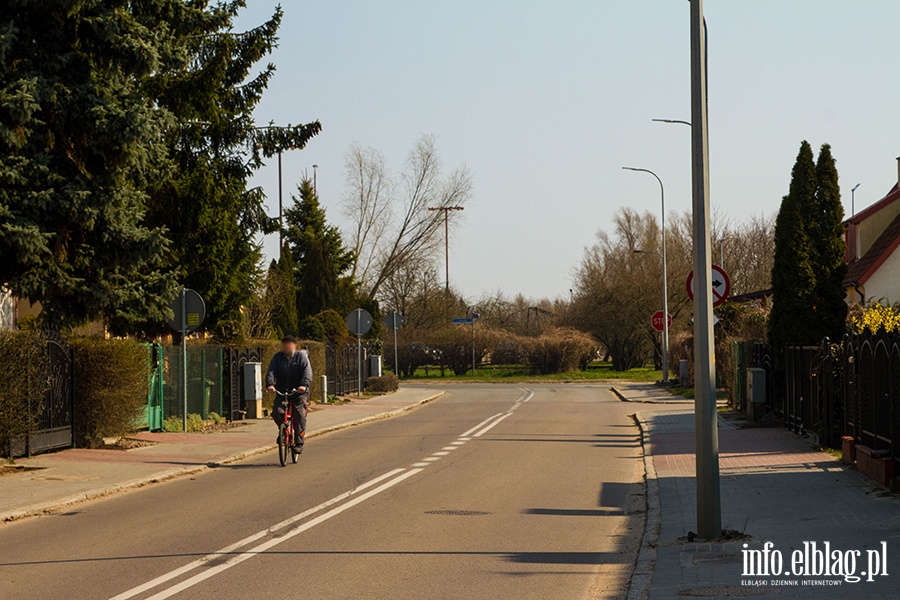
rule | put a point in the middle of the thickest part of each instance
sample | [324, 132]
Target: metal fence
[849, 388]
[342, 369]
[204, 381]
[236, 359]
[871, 391]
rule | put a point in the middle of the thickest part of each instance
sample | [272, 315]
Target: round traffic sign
[721, 285]
[194, 311]
[657, 320]
[394, 320]
[359, 322]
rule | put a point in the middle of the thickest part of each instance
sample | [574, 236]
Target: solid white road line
[529, 394]
[250, 539]
[492, 425]
[267, 545]
[480, 425]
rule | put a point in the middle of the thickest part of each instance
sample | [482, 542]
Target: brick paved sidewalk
[776, 489]
[60, 479]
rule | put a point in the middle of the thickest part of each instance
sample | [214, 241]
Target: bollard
[683, 373]
[324, 384]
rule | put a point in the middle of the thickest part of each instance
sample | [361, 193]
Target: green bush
[455, 346]
[215, 418]
[23, 381]
[335, 327]
[110, 388]
[383, 384]
[311, 328]
[173, 425]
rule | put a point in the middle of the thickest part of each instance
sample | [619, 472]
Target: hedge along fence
[23, 382]
[110, 388]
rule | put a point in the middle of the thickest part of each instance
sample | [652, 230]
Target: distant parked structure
[873, 236]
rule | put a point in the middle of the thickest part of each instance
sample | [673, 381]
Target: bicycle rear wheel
[283, 447]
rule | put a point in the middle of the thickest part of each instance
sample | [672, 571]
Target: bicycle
[286, 430]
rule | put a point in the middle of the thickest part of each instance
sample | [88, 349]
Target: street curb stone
[105, 492]
[625, 398]
[639, 588]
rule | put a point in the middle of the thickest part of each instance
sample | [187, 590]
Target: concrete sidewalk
[54, 481]
[775, 488]
[646, 393]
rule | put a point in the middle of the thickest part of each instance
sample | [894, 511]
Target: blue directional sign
[466, 320]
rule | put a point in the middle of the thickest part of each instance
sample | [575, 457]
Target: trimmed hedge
[385, 383]
[23, 382]
[110, 388]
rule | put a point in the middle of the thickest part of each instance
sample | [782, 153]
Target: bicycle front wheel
[283, 447]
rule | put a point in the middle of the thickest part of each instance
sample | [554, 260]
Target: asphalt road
[493, 491]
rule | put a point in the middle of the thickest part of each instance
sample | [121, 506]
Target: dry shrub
[455, 346]
[509, 349]
[561, 350]
[384, 384]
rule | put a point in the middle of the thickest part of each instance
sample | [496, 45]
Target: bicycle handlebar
[291, 393]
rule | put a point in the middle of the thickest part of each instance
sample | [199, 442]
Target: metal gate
[342, 369]
[237, 357]
[56, 413]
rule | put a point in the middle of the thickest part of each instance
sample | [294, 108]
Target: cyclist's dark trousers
[299, 415]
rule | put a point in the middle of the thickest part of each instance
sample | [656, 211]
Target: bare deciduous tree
[392, 226]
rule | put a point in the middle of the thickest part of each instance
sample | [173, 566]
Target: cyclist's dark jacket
[287, 373]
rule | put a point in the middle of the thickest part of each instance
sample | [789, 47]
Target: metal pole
[447, 249]
[396, 361]
[853, 200]
[665, 282]
[359, 351]
[709, 509]
[473, 344]
[184, 379]
[280, 209]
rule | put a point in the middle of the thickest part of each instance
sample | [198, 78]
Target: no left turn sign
[721, 285]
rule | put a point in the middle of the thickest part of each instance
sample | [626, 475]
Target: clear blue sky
[544, 102]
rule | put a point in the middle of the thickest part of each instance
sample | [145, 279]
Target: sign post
[188, 313]
[359, 322]
[394, 321]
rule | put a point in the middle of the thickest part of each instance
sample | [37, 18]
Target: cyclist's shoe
[298, 448]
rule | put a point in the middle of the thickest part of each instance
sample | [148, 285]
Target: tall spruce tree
[79, 144]
[282, 285]
[793, 318]
[319, 252]
[829, 250]
[213, 216]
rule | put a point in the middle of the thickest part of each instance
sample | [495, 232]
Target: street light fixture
[679, 121]
[853, 199]
[665, 283]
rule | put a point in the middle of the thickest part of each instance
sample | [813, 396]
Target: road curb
[639, 588]
[625, 398]
[112, 490]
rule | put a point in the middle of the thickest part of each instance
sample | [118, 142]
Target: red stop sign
[657, 320]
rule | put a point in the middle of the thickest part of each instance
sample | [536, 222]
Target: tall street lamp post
[446, 210]
[665, 283]
[706, 436]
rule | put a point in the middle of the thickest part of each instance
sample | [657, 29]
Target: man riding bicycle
[290, 373]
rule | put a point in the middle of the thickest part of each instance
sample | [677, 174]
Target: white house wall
[884, 284]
